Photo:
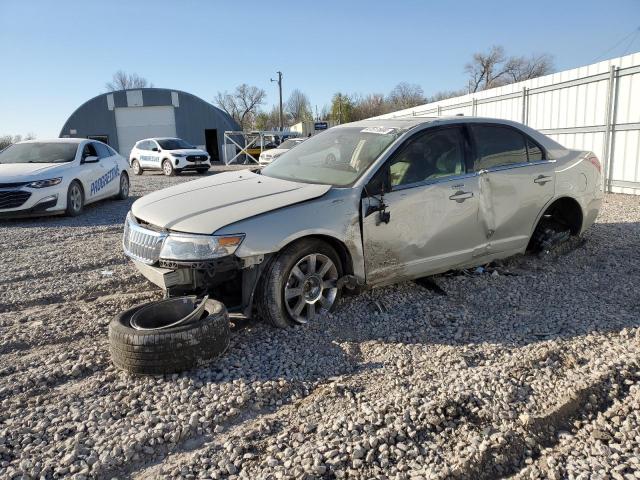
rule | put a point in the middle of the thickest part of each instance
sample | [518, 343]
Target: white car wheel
[168, 169]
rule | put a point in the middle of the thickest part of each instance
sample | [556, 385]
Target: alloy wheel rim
[136, 167]
[75, 198]
[124, 185]
[167, 168]
[312, 287]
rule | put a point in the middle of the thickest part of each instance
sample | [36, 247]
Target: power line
[619, 42]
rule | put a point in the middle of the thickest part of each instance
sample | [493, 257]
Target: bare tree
[526, 68]
[126, 81]
[444, 94]
[7, 140]
[242, 104]
[495, 69]
[298, 106]
[369, 106]
[406, 95]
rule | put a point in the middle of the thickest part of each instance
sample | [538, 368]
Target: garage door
[136, 123]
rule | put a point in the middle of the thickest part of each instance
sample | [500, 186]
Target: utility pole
[279, 80]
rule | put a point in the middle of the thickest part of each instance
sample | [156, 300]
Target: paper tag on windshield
[378, 130]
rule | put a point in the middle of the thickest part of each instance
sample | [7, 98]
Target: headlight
[45, 183]
[178, 246]
[179, 155]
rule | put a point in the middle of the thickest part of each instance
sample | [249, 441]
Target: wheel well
[565, 211]
[340, 248]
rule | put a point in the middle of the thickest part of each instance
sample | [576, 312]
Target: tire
[75, 199]
[169, 350]
[135, 166]
[123, 193]
[202, 170]
[168, 169]
[271, 303]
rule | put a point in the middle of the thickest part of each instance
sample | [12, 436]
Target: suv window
[429, 155]
[103, 151]
[497, 145]
[89, 151]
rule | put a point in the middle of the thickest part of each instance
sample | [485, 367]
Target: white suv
[171, 155]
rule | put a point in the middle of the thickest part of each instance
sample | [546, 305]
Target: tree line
[490, 69]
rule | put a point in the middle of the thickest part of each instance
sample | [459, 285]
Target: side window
[152, 145]
[497, 146]
[112, 151]
[89, 151]
[534, 152]
[430, 155]
[103, 151]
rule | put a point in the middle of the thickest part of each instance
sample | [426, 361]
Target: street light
[279, 80]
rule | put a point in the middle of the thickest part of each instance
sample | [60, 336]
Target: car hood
[189, 151]
[206, 205]
[22, 172]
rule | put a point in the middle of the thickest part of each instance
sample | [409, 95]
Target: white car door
[90, 170]
[110, 181]
[432, 206]
[516, 182]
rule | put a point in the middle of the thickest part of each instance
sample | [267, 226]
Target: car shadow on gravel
[102, 213]
[593, 288]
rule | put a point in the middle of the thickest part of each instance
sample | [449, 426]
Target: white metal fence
[595, 107]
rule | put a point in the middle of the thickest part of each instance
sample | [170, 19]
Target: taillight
[593, 160]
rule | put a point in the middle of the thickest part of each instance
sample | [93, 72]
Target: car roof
[56, 140]
[159, 138]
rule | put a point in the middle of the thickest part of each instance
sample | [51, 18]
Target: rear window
[498, 146]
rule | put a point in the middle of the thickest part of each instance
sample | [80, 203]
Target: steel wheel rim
[167, 168]
[312, 287]
[76, 198]
[124, 185]
[136, 167]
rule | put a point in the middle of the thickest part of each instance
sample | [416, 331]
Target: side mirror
[380, 183]
[91, 159]
[155, 149]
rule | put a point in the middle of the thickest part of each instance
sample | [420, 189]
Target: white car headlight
[179, 246]
[50, 182]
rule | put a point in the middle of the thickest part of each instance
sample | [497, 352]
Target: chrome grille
[140, 243]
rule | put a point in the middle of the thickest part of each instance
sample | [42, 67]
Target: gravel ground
[528, 373]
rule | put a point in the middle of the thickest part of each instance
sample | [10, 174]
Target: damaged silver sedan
[363, 205]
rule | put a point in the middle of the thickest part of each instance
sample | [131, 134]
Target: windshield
[335, 157]
[174, 144]
[39, 153]
[288, 144]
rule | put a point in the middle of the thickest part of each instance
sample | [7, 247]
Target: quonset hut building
[121, 118]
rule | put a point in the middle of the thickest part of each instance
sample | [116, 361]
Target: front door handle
[461, 196]
[542, 179]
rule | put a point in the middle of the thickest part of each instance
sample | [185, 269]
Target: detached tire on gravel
[169, 350]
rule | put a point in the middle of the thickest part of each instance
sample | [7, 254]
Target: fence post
[524, 105]
[474, 106]
[439, 110]
[608, 129]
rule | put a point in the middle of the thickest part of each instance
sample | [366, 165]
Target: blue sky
[58, 54]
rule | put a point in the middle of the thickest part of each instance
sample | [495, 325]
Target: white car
[59, 176]
[269, 156]
[171, 155]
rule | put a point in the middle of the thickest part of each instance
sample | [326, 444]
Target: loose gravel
[528, 372]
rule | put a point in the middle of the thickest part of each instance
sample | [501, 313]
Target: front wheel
[135, 166]
[168, 169]
[75, 199]
[300, 284]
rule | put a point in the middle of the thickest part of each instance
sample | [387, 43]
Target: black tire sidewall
[270, 302]
[169, 350]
